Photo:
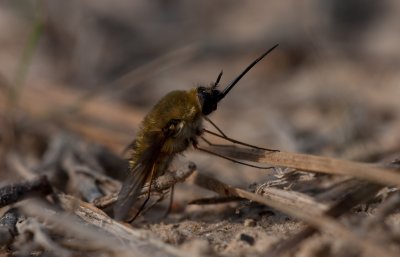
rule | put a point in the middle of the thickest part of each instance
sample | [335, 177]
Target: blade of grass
[26, 59]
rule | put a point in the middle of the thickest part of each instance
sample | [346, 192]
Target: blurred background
[94, 68]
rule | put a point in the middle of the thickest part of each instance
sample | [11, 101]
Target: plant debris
[77, 78]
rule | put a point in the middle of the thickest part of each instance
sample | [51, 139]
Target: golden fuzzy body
[179, 105]
[169, 128]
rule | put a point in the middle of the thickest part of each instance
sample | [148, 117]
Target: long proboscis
[236, 80]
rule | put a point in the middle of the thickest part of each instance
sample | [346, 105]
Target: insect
[174, 124]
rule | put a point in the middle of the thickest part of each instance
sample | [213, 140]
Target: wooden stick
[313, 163]
[319, 221]
[162, 183]
[13, 193]
[356, 193]
[107, 235]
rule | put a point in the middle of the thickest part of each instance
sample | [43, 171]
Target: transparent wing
[136, 179]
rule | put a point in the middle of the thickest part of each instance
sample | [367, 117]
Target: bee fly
[173, 124]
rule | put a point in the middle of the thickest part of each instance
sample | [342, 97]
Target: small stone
[247, 238]
[249, 223]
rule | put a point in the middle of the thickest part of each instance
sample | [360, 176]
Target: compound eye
[209, 99]
[201, 89]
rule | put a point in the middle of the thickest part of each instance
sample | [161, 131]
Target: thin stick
[159, 184]
[361, 193]
[319, 221]
[108, 235]
[313, 163]
[10, 194]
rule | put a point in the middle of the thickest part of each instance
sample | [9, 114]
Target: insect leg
[238, 142]
[171, 198]
[215, 126]
[209, 143]
[230, 159]
[152, 177]
[218, 79]
[212, 144]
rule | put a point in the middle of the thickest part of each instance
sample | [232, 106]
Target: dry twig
[313, 163]
[103, 234]
[14, 193]
[162, 183]
[323, 222]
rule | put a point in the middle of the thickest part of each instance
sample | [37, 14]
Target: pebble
[249, 223]
[247, 238]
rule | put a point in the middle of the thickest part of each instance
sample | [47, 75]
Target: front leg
[194, 142]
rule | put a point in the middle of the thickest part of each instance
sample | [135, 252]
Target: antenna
[218, 79]
[236, 80]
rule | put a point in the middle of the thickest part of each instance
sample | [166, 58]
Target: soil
[77, 78]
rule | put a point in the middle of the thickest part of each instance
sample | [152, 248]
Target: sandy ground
[330, 88]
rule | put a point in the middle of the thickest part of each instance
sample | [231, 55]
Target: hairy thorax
[181, 106]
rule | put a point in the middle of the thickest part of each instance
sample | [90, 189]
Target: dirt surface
[77, 78]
